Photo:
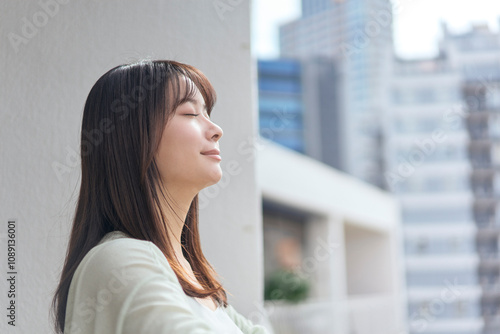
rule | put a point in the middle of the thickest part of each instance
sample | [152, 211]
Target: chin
[215, 178]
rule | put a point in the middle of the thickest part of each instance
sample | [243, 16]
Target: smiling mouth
[214, 154]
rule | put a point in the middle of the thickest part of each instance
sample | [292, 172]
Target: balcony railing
[361, 315]
[302, 318]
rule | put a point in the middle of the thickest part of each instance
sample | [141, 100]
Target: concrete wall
[355, 250]
[51, 56]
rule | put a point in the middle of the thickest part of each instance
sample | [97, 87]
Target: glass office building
[442, 162]
[357, 34]
[280, 103]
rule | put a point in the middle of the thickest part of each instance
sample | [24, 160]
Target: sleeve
[126, 287]
[246, 326]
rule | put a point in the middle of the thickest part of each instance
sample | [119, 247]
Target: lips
[214, 154]
[211, 152]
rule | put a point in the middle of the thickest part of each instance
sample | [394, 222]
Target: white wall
[42, 92]
[355, 249]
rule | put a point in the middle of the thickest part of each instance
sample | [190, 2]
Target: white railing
[377, 314]
[302, 318]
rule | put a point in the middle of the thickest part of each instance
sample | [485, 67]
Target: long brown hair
[123, 120]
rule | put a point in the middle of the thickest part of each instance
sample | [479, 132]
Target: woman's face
[188, 157]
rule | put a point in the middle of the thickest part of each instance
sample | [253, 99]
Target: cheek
[185, 147]
[179, 149]
[187, 137]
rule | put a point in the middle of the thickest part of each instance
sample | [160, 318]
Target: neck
[175, 208]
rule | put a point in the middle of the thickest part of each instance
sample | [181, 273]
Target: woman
[134, 262]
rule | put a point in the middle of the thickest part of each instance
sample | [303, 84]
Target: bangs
[183, 85]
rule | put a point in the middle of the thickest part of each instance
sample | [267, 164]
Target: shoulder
[122, 258]
[113, 248]
[126, 285]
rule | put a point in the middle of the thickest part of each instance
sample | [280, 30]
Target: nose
[215, 131]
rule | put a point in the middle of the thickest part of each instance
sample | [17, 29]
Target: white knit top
[218, 319]
[126, 286]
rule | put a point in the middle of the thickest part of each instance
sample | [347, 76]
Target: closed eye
[195, 115]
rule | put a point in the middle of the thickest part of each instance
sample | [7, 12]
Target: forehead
[180, 90]
[189, 92]
[188, 87]
[184, 88]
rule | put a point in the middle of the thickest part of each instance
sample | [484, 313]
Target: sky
[417, 26]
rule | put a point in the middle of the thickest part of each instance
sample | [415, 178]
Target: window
[279, 104]
[431, 245]
[443, 308]
[493, 97]
[422, 245]
[425, 95]
[437, 215]
[441, 278]
[289, 85]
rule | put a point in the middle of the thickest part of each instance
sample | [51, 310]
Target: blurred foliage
[286, 285]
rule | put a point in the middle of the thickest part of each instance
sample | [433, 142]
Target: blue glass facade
[280, 103]
[311, 7]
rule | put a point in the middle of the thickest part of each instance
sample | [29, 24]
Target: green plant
[286, 285]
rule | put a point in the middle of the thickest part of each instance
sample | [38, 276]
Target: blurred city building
[441, 132]
[479, 57]
[328, 102]
[298, 106]
[349, 258]
[280, 103]
[357, 34]
[428, 129]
